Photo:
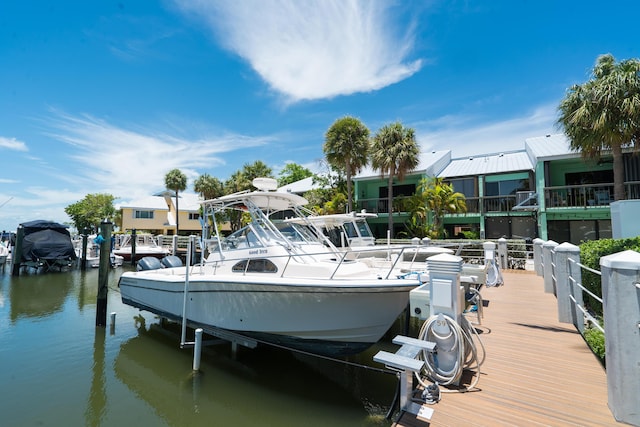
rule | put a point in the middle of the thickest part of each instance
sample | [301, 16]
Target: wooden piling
[83, 254]
[16, 252]
[133, 247]
[103, 274]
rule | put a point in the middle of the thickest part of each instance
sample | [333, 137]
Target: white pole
[183, 339]
[197, 350]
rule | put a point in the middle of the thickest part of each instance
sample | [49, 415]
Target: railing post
[502, 253]
[621, 306]
[537, 256]
[575, 291]
[547, 253]
[563, 289]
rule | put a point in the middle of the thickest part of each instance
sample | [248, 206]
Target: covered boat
[46, 244]
[275, 281]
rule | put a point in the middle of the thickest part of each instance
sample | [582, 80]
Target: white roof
[186, 202]
[488, 164]
[431, 163]
[550, 147]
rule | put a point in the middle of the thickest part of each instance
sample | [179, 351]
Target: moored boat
[145, 245]
[276, 281]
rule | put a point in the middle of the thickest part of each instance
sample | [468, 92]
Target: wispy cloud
[12, 144]
[130, 163]
[470, 135]
[318, 49]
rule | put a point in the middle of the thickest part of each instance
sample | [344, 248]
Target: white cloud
[132, 163]
[466, 136]
[12, 144]
[313, 49]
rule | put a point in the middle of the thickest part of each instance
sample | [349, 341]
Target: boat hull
[337, 318]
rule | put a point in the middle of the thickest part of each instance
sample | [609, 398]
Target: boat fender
[171, 261]
[148, 263]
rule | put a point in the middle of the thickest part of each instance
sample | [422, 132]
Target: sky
[108, 96]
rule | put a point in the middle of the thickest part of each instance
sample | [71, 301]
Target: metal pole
[197, 350]
[183, 339]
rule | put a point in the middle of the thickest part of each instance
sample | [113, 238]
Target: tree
[293, 172]
[177, 181]
[208, 187]
[603, 114]
[257, 169]
[89, 212]
[440, 198]
[346, 148]
[394, 152]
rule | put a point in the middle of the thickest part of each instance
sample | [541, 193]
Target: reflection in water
[57, 368]
[38, 295]
[97, 396]
[266, 386]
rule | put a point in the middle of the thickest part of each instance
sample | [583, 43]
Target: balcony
[586, 196]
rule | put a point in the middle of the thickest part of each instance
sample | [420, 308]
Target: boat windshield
[297, 233]
[363, 228]
[241, 239]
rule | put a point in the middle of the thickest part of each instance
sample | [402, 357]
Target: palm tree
[394, 152]
[440, 198]
[177, 181]
[208, 186]
[603, 114]
[346, 147]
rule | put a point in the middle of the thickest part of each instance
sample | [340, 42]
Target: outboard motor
[171, 261]
[148, 263]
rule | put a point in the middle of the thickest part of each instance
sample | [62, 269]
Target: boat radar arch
[265, 184]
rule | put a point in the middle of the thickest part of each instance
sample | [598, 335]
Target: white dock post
[548, 249]
[620, 295]
[197, 350]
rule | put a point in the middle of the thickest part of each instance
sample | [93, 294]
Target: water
[58, 369]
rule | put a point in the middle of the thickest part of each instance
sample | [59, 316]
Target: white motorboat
[274, 281]
[145, 245]
[352, 233]
[4, 253]
[92, 255]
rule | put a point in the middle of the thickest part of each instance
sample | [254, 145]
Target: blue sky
[108, 96]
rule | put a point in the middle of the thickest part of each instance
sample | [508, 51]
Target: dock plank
[538, 371]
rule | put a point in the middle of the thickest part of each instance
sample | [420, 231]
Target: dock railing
[560, 267]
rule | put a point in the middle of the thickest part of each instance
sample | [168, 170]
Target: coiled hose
[467, 352]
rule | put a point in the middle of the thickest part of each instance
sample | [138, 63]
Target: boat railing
[386, 267]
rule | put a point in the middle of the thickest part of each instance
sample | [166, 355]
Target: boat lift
[445, 345]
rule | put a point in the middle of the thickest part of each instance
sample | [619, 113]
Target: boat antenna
[8, 200]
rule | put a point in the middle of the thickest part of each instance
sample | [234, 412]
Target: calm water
[58, 369]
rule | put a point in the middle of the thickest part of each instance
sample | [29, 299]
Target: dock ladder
[405, 361]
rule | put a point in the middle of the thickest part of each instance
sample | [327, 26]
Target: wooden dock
[538, 371]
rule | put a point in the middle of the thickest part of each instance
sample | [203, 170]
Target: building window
[194, 216]
[143, 214]
[505, 188]
[466, 186]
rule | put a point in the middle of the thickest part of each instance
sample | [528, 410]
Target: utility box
[420, 302]
[624, 219]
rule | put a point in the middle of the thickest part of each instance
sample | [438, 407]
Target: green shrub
[595, 339]
[590, 254]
